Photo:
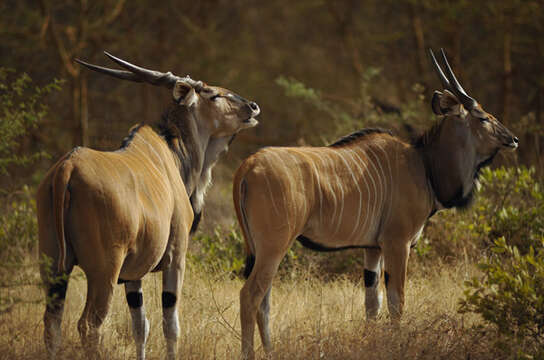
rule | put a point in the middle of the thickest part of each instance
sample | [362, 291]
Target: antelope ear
[184, 93]
[443, 103]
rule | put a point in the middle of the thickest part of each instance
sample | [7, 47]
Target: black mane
[425, 138]
[348, 139]
[180, 133]
[128, 139]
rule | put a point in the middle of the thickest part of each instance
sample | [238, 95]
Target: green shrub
[507, 222]
[21, 109]
[509, 204]
[512, 206]
[18, 227]
[222, 250]
[510, 295]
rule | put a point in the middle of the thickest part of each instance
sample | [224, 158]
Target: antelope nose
[514, 143]
[254, 107]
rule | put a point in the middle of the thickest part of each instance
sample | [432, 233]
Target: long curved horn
[140, 74]
[467, 101]
[439, 72]
[151, 76]
[120, 74]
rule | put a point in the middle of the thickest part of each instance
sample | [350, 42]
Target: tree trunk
[76, 111]
[507, 76]
[417, 26]
[84, 111]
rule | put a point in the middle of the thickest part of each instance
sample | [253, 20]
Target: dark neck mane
[428, 136]
[348, 139]
[178, 128]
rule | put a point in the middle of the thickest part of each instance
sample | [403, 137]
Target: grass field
[311, 318]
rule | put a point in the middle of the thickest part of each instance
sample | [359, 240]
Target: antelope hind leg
[99, 295]
[100, 284]
[56, 286]
[255, 303]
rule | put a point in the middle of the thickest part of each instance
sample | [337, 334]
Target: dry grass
[311, 319]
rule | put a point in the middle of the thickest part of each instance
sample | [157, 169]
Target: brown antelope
[368, 190]
[122, 214]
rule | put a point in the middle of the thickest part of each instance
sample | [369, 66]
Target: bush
[21, 111]
[18, 227]
[507, 221]
[510, 295]
[222, 250]
[509, 204]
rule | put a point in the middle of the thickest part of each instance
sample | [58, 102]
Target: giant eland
[369, 190]
[122, 214]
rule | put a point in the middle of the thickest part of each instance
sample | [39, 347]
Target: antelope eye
[215, 97]
[484, 119]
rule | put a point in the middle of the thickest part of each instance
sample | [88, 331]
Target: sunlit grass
[310, 318]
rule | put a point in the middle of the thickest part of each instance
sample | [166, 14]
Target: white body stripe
[367, 213]
[301, 179]
[314, 169]
[286, 204]
[380, 177]
[359, 208]
[331, 191]
[341, 188]
[375, 191]
[390, 190]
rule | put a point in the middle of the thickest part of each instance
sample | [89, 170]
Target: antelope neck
[188, 142]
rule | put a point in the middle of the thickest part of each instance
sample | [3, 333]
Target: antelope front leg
[372, 273]
[172, 280]
[140, 324]
[396, 263]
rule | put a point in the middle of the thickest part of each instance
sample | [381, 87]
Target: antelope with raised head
[369, 190]
[122, 214]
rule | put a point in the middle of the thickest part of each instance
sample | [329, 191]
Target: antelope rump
[369, 190]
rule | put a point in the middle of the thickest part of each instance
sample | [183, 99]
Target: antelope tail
[239, 196]
[60, 202]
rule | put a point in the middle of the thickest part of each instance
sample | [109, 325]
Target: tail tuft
[250, 262]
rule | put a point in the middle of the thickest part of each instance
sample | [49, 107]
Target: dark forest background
[312, 65]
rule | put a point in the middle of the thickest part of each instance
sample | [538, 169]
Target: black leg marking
[168, 299]
[370, 278]
[250, 262]
[56, 295]
[386, 278]
[135, 299]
